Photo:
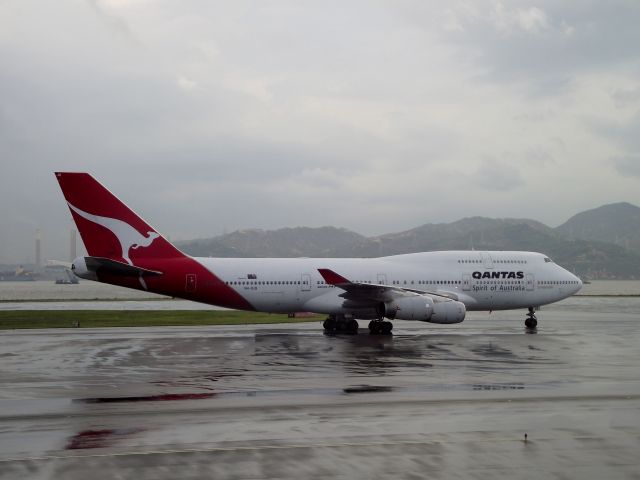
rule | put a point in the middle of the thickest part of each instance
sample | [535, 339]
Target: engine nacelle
[424, 309]
[409, 308]
[448, 312]
[79, 268]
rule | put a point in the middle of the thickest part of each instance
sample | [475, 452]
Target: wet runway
[289, 402]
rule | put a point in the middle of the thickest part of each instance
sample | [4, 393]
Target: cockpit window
[547, 260]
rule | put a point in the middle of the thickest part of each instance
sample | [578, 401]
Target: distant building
[38, 248]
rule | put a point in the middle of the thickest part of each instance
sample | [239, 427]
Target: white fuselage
[497, 280]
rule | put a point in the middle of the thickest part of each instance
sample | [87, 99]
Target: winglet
[332, 278]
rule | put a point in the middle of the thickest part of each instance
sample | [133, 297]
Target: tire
[352, 327]
[329, 325]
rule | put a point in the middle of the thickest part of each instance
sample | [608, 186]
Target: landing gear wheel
[330, 325]
[351, 327]
[386, 328]
[377, 327]
[531, 321]
[339, 324]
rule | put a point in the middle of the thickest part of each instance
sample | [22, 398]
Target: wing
[358, 291]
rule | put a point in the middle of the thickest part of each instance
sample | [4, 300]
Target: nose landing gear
[531, 321]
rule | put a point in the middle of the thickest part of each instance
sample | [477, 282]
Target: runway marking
[346, 400]
[285, 447]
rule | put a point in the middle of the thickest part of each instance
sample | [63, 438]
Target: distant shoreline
[606, 295]
[114, 299]
[161, 299]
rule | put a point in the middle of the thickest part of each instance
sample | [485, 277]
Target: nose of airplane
[578, 284]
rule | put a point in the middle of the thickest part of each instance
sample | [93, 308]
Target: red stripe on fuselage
[206, 287]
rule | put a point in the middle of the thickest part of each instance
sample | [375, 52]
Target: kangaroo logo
[128, 236]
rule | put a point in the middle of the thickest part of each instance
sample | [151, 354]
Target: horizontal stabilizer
[112, 267]
[58, 263]
[332, 278]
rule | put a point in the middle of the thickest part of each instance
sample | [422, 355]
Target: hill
[285, 242]
[477, 233]
[617, 223]
[580, 244]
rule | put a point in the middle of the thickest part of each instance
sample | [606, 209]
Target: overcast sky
[377, 116]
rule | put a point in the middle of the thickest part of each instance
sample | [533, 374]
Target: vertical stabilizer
[107, 226]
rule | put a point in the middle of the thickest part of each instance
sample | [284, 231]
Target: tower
[38, 248]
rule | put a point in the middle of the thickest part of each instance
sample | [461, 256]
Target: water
[85, 290]
[87, 295]
[611, 287]
[169, 304]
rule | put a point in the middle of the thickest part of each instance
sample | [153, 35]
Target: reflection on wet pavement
[99, 438]
[255, 402]
[167, 397]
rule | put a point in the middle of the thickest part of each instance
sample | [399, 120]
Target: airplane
[435, 287]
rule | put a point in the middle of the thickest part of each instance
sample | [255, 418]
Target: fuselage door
[305, 282]
[466, 281]
[529, 281]
[487, 261]
[382, 279]
[190, 282]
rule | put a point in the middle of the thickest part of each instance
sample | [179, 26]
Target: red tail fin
[107, 226]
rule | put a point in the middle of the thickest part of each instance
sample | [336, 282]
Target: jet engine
[424, 309]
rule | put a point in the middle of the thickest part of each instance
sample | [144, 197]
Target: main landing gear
[340, 324]
[349, 326]
[380, 327]
[531, 321]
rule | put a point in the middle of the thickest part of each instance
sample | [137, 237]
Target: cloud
[367, 115]
[528, 19]
[628, 166]
[626, 97]
[547, 45]
[186, 83]
[622, 132]
[539, 156]
[497, 176]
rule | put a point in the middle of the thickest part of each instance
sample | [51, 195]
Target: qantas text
[479, 275]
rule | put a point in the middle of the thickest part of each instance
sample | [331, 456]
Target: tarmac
[483, 399]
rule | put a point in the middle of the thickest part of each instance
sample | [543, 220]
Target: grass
[14, 319]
